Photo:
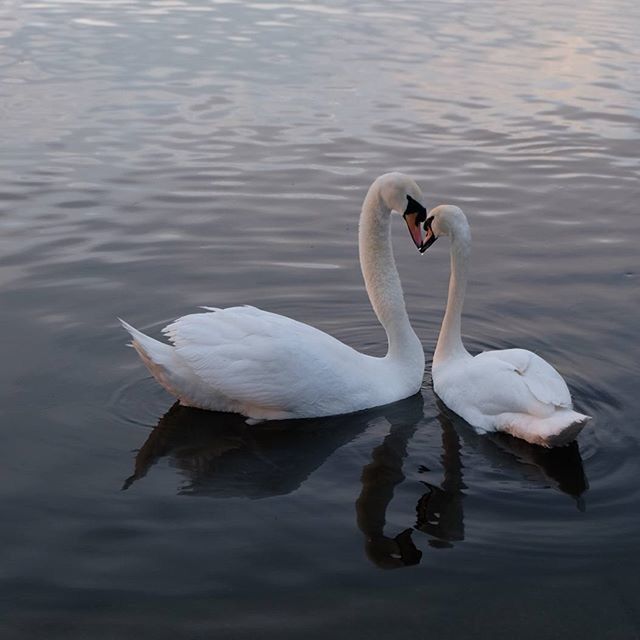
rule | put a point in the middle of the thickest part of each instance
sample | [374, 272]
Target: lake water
[161, 155]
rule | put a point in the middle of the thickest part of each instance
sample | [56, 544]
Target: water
[160, 155]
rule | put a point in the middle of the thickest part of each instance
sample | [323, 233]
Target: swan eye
[413, 206]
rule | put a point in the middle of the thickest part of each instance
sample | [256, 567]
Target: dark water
[160, 155]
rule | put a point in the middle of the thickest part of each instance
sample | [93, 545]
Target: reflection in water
[224, 457]
[216, 149]
[560, 467]
[379, 479]
[439, 511]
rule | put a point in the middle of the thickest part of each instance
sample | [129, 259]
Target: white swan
[512, 390]
[266, 366]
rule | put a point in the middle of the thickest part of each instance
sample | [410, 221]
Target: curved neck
[450, 340]
[381, 276]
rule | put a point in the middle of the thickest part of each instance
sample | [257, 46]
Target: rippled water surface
[160, 155]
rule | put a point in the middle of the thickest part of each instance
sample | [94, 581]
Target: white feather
[513, 390]
[267, 366]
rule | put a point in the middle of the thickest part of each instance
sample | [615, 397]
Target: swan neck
[381, 277]
[450, 339]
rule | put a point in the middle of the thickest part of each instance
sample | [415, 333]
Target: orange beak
[415, 230]
[429, 237]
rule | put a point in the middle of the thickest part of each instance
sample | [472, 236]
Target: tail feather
[158, 357]
[557, 430]
[170, 370]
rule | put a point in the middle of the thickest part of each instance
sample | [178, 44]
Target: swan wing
[540, 378]
[264, 359]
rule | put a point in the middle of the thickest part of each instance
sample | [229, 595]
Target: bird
[511, 390]
[266, 366]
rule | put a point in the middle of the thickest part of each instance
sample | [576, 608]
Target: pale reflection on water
[158, 156]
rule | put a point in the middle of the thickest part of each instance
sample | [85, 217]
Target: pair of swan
[269, 367]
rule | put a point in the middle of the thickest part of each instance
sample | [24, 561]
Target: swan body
[266, 366]
[513, 390]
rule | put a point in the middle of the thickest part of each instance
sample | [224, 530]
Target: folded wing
[539, 377]
[262, 358]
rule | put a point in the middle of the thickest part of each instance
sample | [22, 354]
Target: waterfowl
[267, 366]
[510, 390]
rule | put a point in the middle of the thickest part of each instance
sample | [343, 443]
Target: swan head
[443, 220]
[400, 194]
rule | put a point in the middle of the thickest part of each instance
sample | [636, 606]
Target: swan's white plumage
[538, 376]
[271, 365]
[511, 390]
[267, 366]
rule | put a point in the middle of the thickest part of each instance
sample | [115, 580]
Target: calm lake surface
[161, 155]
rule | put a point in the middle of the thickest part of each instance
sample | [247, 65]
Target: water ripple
[161, 155]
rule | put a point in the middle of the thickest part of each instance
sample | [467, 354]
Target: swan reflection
[379, 479]
[221, 456]
[439, 512]
[559, 467]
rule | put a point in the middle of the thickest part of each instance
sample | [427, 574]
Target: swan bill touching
[429, 237]
[512, 390]
[269, 367]
[414, 215]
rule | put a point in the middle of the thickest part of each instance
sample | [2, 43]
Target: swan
[269, 367]
[510, 390]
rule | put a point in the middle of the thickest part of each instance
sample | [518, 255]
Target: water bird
[267, 366]
[513, 391]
